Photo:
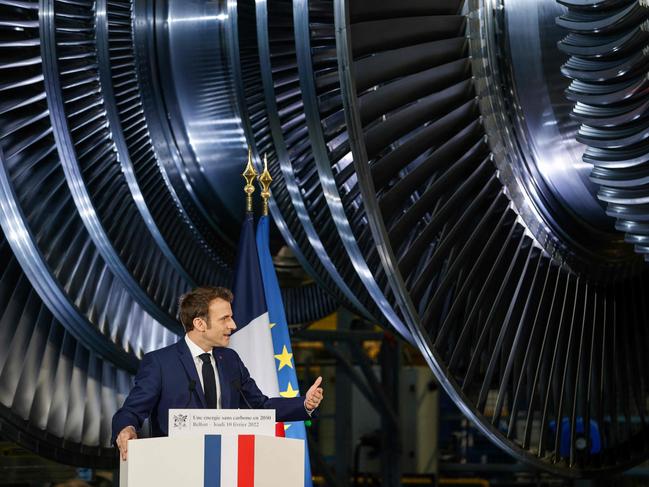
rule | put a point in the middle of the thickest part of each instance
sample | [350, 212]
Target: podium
[214, 461]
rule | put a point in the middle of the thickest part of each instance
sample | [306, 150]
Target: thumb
[316, 384]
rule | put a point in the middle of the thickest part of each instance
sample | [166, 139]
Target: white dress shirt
[195, 350]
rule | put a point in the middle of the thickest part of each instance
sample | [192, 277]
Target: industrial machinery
[471, 175]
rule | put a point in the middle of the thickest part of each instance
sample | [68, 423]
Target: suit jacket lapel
[223, 379]
[188, 363]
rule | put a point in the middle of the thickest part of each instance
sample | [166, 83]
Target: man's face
[220, 324]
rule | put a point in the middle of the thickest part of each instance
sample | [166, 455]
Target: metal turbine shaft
[426, 173]
[107, 215]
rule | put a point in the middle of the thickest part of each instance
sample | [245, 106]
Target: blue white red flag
[252, 340]
[244, 461]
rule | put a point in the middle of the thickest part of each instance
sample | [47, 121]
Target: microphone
[236, 383]
[192, 389]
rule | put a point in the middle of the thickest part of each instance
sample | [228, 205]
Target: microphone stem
[237, 386]
[244, 399]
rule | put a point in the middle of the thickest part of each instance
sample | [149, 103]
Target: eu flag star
[284, 358]
[289, 392]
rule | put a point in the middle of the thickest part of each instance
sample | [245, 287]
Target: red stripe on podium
[279, 430]
[246, 461]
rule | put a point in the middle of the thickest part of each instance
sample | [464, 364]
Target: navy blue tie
[209, 381]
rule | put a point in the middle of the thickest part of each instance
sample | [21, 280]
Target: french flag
[250, 461]
[214, 461]
[252, 340]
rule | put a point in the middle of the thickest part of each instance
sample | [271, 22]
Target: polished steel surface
[198, 95]
[121, 147]
[348, 92]
[543, 112]
[606, 70]
[63, 130]
[102, 224]
[327, 180]
[153, 140]
[532, 134]
[484, 292]
[429, 178]
[283, 156]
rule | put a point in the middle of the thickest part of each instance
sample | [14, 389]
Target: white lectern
[214, 461]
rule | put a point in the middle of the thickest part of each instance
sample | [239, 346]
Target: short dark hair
[196, 303]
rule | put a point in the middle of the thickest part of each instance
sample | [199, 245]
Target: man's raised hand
[314, 395]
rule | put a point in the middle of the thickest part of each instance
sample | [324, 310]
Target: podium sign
[214, 461]
[221, 422]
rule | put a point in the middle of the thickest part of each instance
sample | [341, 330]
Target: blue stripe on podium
[212, 461]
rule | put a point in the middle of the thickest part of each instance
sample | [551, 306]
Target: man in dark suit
[200, 372]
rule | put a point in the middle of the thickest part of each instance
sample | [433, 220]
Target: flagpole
[249, 175]
[264, 180]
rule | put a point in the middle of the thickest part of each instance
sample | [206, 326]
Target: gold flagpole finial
[265, 179]
[249, 174]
